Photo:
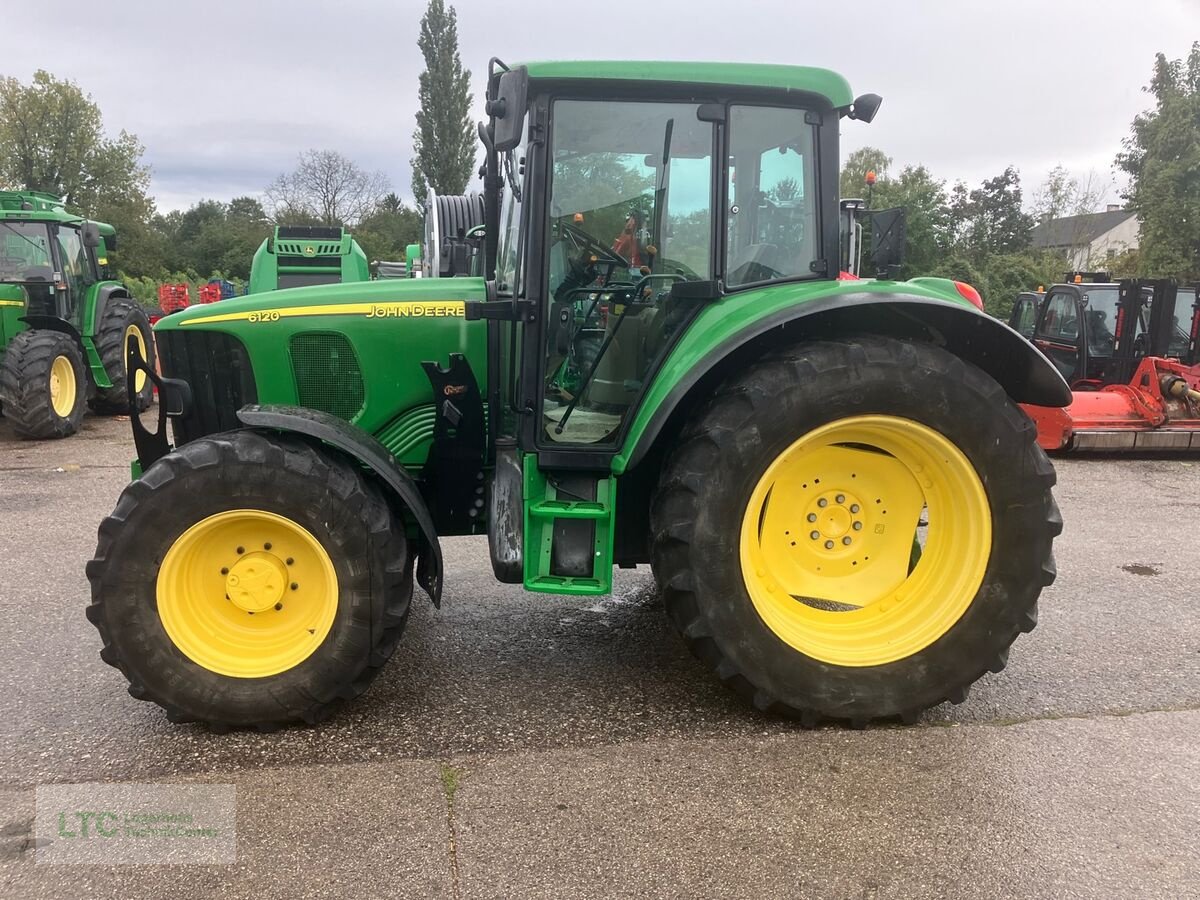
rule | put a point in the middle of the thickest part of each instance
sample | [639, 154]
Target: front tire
[255, 607]
[123, 318]
[855, 530]
[43, 384]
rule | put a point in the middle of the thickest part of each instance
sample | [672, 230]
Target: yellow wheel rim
[827, 541]
[247, 593]
[62, 386]
[139, 380]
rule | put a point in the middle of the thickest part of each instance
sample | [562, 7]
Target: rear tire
[182, 644]
[43, 384]
[786, 649]
[122, 316]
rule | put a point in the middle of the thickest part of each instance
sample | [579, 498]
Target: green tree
[1162, 158]
[444, 141]
[52, 139]
[989, 220]
[852, 182]
[386, 232]
[927, 217]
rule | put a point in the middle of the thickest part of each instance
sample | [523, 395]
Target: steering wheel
[594, 246]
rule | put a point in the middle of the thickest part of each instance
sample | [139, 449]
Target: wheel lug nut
[815, 535]
[846, 540]
[853, 507]
[822, 503]
[812, 517]
[829, 545]
[858, 526]
[841, 498]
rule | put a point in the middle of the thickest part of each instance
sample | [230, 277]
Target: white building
[1089, 241]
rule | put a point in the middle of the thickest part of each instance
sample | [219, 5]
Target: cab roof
[823, 82]
[37, 206]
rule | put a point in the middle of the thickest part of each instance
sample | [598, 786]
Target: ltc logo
[97, 819]
[310, 250]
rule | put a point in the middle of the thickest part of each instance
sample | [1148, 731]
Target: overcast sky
[225, 93]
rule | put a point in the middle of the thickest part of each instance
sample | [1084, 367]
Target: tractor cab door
[1024, 314]
[1059, 333]
[77, 267]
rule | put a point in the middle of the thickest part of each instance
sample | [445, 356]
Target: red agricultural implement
[209, 293]
[1130, 352]
[171, 298]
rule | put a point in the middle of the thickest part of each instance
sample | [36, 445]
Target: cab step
[568, 530]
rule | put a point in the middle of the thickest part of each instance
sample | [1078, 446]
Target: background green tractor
[64, 323]
[845, 511]
[299, 255]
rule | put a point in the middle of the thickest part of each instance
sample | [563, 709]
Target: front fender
[700, 360]
[367, 451]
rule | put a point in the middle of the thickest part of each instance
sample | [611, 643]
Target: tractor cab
[1129, 352]
[1093, 332]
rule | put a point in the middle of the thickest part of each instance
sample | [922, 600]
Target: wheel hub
[835, 519]
[256, 582]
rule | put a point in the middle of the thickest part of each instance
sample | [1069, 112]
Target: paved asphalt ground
[525, 746]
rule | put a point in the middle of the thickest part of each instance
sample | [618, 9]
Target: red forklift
[1129, 350]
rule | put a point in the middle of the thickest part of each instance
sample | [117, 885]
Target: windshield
[25, 252]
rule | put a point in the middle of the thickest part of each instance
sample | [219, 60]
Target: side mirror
[887, 241]
[865, 107]
[506, 108]
[91, 234]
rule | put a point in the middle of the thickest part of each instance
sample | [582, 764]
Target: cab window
[771, 219]
[76, 269]
[1061, 323]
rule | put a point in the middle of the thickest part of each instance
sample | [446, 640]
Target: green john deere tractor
[64, 323]
[846, 512]
[299, 255]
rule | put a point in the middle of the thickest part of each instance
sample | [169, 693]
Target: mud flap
[367, 451]
[174, 397]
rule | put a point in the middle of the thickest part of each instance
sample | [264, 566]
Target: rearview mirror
[887, 241]
[91, 234]
[507, 109]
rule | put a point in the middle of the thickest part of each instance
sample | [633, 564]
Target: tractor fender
[53, 323]
[367, 451]
[1019, 367]
[93, 313]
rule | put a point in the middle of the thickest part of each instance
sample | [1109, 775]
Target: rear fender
[1020, 368]
[367, 451]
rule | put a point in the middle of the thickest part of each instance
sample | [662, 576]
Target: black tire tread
[119, 313]
[333, 471]
[24, 378]
[747, 398]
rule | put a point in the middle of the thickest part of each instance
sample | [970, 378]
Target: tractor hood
[398, 299]
[350, 350]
